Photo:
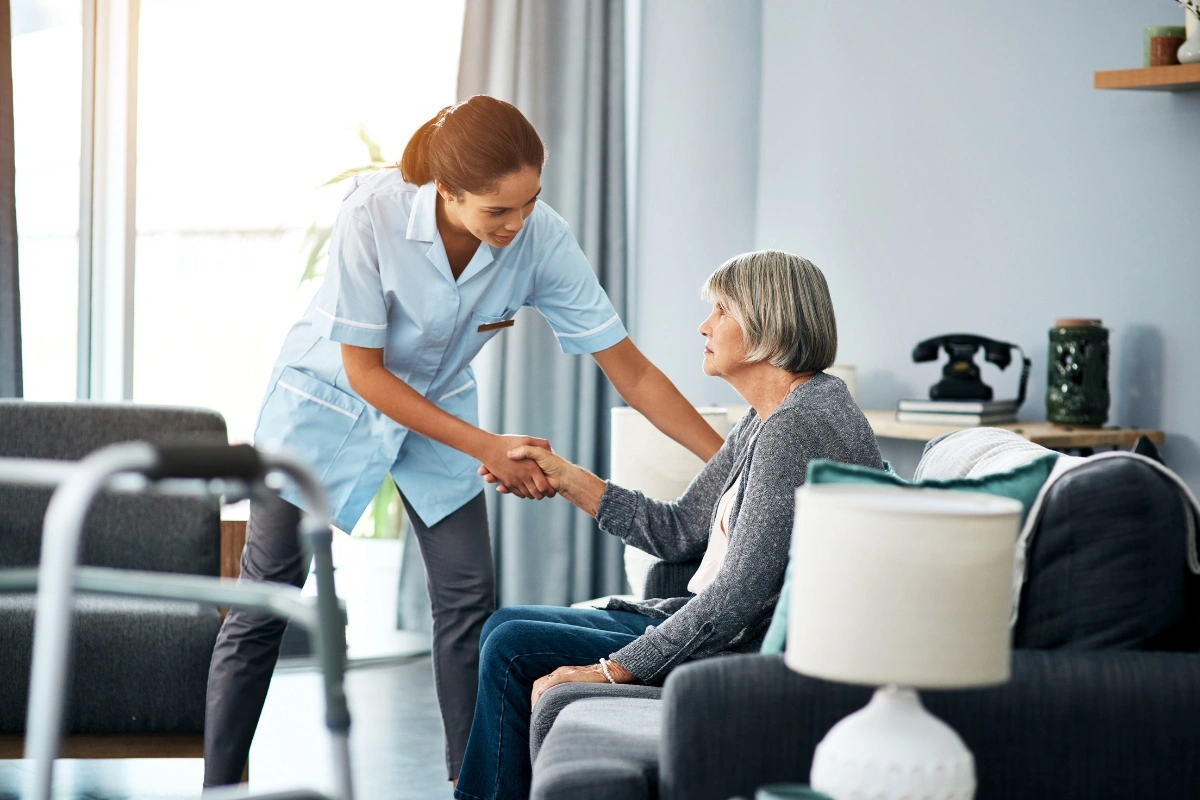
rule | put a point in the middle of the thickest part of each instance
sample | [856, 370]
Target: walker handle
[205, 461]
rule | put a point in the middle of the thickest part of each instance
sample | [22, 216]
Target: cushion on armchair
[601, 749]
[669, 579]
[138, 665]
[1020, 483]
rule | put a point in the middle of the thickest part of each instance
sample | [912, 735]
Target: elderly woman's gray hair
[782, 303]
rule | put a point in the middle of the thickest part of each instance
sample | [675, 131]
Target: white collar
[422, 221]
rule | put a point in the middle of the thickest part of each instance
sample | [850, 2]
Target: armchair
[140, 667]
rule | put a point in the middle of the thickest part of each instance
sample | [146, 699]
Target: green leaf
[350, 173]
[316, 253]
[373, 151]
[316, 238]
[385, 511]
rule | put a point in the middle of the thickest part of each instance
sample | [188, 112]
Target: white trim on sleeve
[459, 390]
[597, 329]
[368, 325]
[319, 401]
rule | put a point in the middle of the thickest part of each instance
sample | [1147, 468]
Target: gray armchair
[140, 667]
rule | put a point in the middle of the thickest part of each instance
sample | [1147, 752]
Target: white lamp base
[893, 749]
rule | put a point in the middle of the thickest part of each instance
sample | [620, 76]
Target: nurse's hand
[556, 468]
[523, 478]
[572, 481]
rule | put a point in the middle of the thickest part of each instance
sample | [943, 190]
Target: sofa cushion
[1106, 564]
[1020, 483]
[160, 534]
[601, 749]
[556, 698]
[137, 665]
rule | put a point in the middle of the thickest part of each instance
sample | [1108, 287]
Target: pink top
[718, 542]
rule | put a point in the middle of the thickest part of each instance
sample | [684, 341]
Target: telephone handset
[960, 378]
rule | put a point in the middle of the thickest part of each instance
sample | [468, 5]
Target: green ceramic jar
[1077, 373]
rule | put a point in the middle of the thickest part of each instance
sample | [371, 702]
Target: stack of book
[963, 413]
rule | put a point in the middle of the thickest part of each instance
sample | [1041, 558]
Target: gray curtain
[10, 287]
[562, 63]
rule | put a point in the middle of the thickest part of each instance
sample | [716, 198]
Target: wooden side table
[1055, 437]
[233, 537]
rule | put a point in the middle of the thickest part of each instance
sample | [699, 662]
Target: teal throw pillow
[1020, 483]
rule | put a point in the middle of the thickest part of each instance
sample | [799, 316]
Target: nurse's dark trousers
[462, 593]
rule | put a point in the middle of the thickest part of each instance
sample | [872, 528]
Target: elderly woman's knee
[507, 642]
[501, 617]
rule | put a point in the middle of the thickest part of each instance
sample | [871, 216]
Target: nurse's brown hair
[469, 147]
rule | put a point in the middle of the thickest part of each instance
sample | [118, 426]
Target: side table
[1055, 437]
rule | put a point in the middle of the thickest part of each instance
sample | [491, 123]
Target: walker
[236, 472]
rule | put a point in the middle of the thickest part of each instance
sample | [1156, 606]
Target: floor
[396, 740]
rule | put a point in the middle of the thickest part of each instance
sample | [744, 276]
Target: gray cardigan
[817, 420]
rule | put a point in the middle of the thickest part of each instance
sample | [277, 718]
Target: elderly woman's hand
[556, 468]
[553, 466]
[592, 673]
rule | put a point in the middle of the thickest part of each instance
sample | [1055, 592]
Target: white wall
[950, 168]
[698, 173]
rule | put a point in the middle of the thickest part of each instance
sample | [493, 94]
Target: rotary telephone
[960, 377]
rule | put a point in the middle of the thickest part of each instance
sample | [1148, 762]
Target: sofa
[1103, 701]
[140, 667]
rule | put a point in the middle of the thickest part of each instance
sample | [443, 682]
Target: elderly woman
[770, 334]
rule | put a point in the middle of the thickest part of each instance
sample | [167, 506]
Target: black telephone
[960, 378]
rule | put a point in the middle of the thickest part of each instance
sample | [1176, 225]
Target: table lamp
[902, 589]
[643, 458]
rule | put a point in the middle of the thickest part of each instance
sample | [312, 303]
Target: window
[47, 85]
[244, 111]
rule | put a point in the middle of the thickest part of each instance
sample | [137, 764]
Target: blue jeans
[520, 644]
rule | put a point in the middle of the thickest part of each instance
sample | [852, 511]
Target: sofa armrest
[556, 698]
[1069, 724]
[667, 579]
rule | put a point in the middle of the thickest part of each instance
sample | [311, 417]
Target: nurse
[426, 264]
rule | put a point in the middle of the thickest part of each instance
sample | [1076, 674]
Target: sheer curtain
[562, 64]
[10, 288]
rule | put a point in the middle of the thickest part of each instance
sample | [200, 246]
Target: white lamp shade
[901, 586]
[643, 458]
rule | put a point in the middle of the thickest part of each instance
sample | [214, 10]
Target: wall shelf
[1177, 78]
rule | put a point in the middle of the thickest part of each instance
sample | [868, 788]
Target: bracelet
[604, 666]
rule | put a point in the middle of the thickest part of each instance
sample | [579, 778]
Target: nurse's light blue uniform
[389, 285]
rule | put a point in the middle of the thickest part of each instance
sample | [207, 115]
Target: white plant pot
[368, 580]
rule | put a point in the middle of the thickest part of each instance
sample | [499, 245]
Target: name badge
[491, 326]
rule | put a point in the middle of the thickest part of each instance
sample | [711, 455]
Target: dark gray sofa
[140, 667]
[1103, 702]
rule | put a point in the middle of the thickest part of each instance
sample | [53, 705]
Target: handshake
[525, 466]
